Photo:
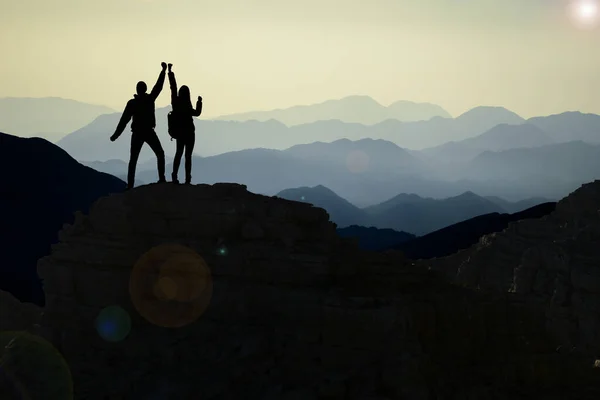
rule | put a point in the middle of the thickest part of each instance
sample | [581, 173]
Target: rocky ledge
[276, 306]
[554, 261]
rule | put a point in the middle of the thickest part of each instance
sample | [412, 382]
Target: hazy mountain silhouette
[409, 111]
[464, 234]
[271, 171]
[49, 117]
[341, 211]
[374, 155]
[417, 215]
[375, 239]
[564, 162]
[352, 109]
[515, 207]
[91, 142]
[216, 137]
[570, 126]
[118, 168]
[483, 118]
[42, 187]
[420, 212]
[113, 167]
[501, 137]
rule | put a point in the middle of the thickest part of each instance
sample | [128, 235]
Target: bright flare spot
[584, 12]
[587, 10]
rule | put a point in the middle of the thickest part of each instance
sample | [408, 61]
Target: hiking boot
[174, 179]
[162, 180]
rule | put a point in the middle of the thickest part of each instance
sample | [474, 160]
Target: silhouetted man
[141, 110]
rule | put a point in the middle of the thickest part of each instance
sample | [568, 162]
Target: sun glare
[584, 12]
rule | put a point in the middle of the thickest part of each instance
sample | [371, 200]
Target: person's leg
[177, 160]
[189, 149]
[137, 142]
[154, 143]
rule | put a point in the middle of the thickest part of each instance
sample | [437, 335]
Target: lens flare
[31, 368]
[584, 12]
[170, 286]
[113, 324]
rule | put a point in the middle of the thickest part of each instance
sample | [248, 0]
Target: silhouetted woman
[186, 136]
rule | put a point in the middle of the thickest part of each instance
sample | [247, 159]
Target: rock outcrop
[554, 261]
[294, 311]
[15, 315]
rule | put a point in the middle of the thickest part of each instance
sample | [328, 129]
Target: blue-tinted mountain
[49, 117]
[365, 155]
[352, 109]
[374, 239]
[214, 137]
[575, 161]
[499, 138]
[418, 215]
[483, 118]
[570, 126]
[517, 206]
[342, 212]
[462, 235]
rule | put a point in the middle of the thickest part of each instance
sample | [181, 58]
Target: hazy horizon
[530, 57]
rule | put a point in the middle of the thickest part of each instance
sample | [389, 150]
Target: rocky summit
[212, 292]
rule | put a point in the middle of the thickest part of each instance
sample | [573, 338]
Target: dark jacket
[141, 109]
[182, 109]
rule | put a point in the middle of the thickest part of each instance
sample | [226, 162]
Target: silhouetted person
[184, 114]
[141, 110]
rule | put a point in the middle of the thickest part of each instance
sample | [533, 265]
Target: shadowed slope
[42, 187]
[459, 236]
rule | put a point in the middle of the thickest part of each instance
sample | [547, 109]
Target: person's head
[184, 94]
[141, 87]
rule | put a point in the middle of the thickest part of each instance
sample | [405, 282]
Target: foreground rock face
[15, 315]
[295, 312]
[554, 261]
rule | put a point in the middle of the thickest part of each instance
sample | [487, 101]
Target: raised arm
[173, 86]
[198, 110]
[159, 83]
[127, 114]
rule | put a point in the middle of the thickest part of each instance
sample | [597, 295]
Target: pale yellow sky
[248, 55]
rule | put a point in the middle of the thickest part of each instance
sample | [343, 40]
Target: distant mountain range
[563, 162]
[91, 143]
[369, 175]
[49, 117]
[417, 215]
[443, 141]
[570, 126]
[445, 241]
[42, 187]
[352, 109]
[499, 138]
[119, 168]
[404, 212]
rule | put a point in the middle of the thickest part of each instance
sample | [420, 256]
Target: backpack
[143, 113]
[173, 123]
